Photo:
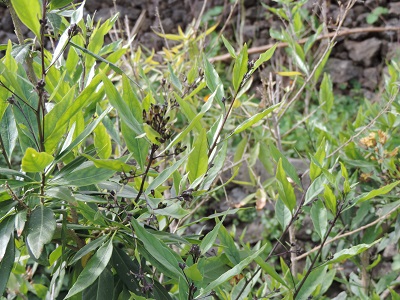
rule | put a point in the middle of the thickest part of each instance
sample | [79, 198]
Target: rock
[394, 8]
[370, 78]
[364, 51]
[342, 70]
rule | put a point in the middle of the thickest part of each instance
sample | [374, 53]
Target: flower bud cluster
[157, 119]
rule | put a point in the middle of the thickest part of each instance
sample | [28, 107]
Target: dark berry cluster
[157, 119]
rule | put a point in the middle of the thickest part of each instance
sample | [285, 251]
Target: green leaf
[29, 12]
[330, 199]
[316, 187]
[93, 269]
[232, 272]
[159, 251]
[230, 248]
[348, 253]
[165, 174]
[6, 264]
[315, 278]
[287, 166]
[286, 191]
[198, 159]
[55, 4]
[111, 164]
[6, 231]
[139, 147]
[254, 119]
[126, 268]
[93, 245]
[120, 105]
[8, 132]
[270, 270]
[326, 93]
[193, 273]
[374, 193]
[264, 57]
[102, 141]
[240, 68]
[84, 175]
[210, 237]
[282, 213]
[213, 82]
[315, 167]
[34, 161]
[229, 47]
[174, 79]
[319, 218]
[40, 231]
[102, 288]
[84, 134]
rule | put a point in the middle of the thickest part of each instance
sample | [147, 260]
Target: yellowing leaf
[34, 161]
[289, 73]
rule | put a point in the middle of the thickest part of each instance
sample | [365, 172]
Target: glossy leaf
[213, 82]
[8, 132]
[55, 4]
[84, 134]
[6, 231]
[93, 269]
[210, 238]
[286, 191]
[93, 245]
[229, 47]
[165, 174]
[120, 105]
[6, 264]
[86, 174]
[319, 218]
[34, 161]
[287, 166]
[230, 248]
[326, 93]
[282, 213]
[159, 251]
[102, 141]
[330, 199]
[232, 272]
[30, 17]
[315, 278]
[102, 288]
[348, 253]
[255, 118]
[240, 68]
[378, 192]
[198, 158]
[264, 57]
[40, 230]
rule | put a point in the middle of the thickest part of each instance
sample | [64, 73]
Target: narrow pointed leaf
[93, 269]
[41, 227]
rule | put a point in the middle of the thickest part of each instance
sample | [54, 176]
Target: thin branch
[338, 237]
[261, 49]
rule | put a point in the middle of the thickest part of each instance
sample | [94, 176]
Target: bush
[107, 165]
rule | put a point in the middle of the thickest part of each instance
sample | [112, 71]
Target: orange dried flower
[364, 177]
[369, 141]
[382, 137]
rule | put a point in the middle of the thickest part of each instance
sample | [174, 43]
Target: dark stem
[154, 148]
[310, 269]
[278, 242]
[3, 151]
